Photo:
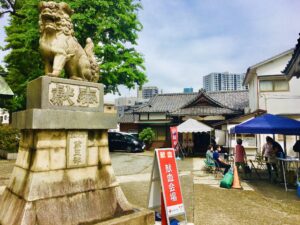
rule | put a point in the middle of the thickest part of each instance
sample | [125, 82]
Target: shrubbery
[9, 138]
[147, 135]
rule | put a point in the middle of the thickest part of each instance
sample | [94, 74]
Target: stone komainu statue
[60, 49]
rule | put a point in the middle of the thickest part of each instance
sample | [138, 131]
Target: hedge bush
[147, 135]
[9, 138]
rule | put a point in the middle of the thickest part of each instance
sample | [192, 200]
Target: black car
[124, 141]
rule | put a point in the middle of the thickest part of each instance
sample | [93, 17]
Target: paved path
[202, 177]
[204, 199]
[137, 168]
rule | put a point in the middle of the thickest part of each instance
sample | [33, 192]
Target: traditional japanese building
[165, 110]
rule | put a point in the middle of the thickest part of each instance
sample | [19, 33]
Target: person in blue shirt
[219, 162]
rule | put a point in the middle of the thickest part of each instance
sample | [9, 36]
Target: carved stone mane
[60, 49]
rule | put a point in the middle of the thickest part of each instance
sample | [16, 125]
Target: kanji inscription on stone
[77, 148]
[77, 157]
[70, 96]
[61, 94]
[87, 96]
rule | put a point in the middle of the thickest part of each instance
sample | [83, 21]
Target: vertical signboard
[165, 178]
[174, 136]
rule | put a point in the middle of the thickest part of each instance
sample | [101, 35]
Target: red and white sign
[170, 181]
[165, 179]
[174, 136]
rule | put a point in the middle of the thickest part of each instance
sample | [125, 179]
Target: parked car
[136, 135]
[124, 141]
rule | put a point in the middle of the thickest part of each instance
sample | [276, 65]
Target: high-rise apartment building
[149, 92]
[224, 82]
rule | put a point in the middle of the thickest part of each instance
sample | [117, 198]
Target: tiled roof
[128, 118]
[236, 100]
[203, 111]
[4, 88]
[295, 56]
[167, 102]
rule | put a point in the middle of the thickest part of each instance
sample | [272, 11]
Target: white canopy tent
[193, 126]
[189, 127]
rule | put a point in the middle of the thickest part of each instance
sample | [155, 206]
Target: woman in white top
[270, 156]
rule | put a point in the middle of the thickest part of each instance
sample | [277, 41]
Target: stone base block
[81, 208]
[140, 216]
[62, 119]
[56, 181]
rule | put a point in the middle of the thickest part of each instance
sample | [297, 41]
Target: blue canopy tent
[268, 124]
[271, 124]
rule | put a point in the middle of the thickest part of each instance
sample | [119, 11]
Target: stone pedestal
[63, 173]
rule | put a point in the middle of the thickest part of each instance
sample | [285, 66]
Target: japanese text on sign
[170, 181]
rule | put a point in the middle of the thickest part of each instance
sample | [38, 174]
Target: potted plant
[147, 136]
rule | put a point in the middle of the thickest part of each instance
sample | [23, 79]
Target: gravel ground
[222, 206]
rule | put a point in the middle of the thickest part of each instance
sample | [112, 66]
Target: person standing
[279, 153]
[190, 146]
[270, 156]
[240, 157]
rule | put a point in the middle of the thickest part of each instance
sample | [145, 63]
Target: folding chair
[260, 162]
[218, 170]
[209, 164]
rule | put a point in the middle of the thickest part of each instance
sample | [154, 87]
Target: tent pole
[284, 144]
[229, 144]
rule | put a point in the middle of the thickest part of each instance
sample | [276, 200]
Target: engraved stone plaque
[65, 94]
[77, 149]
[73, 95]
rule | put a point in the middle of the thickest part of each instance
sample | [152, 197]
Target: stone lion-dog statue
[59, 47]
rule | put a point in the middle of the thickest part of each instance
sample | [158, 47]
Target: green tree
[111, 23]
[9, 138]
[2, 70]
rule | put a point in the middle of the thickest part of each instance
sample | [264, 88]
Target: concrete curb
[7, 155]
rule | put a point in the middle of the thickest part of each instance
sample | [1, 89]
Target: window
[281, 85]
[265, 85]
[273, 85]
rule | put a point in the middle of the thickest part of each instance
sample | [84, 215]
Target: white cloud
[184, 40]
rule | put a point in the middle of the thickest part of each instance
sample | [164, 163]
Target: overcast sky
[183, 40]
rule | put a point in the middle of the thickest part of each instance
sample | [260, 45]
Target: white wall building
[270, 90]
[125, 101]
[4, 116]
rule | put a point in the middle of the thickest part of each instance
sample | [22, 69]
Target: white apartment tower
[149, 92]
[224, 82]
